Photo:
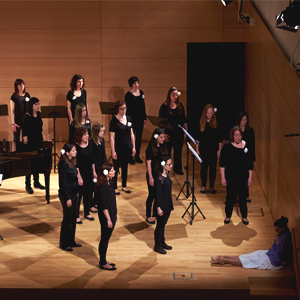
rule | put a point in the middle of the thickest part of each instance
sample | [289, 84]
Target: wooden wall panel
[272, 101]
[49, 43]
[50, 14]
[161, 14]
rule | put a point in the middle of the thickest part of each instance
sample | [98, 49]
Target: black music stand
[107, 108]
[3, 110]
[194, 200]
[159, 122]
[54, 112]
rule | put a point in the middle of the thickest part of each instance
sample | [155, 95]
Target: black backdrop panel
[215, 75]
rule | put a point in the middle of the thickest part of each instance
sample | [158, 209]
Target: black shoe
[108, 269]
[69, 249]
[94, 211]
[79, 222]
[150, 222]
[167, 247]
[112, 264]
[203, 192]
[179, 172]
[29, 189]
[245, 222]
[248, 200]
[212, 191]
[138, 160]
[37, 185]
[117, 194]
[160, 250]
[76, 245]
[90, 219]
[126, 191]
[227, 221]
[132, 162]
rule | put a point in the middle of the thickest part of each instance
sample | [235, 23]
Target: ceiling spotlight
[226, 2]
[289, 19]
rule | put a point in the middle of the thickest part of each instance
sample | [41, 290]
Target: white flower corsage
[245, 150]
[103, 128]
[95, 180]
[105, 172]
[163, 163]
[143, 96]
[87, 122]
[179, 94]
[62, 151]
[215, 109]
[74, 97]
[129, 124]
[27, 99]
[156, 136]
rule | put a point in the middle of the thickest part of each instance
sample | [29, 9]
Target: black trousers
[150, 199]
[105, 236]
[235, 189]
[159, 232]
[68, 224]
[176, 142]
[85, 192]
[36, 178]
[17, 134]
[138, 132]
[121, 161]
[209, 161]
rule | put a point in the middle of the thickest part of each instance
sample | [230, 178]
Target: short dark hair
[282, 222]
[132, 80]
[118, 104]
[74, 79]
[18, 82]
[233, 130]
[79, 133]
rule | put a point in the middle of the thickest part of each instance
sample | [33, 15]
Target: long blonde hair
[78, 115]
[203, 121]
[95, 133]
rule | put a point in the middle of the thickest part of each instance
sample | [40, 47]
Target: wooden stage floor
[32, 265]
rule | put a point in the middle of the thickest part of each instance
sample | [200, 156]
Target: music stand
[3, 110]
[159, 122]
[107, 108]
[194, 200]
[54, 112]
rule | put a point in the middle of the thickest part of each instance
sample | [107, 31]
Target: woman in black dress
[68, 196]
[85, 172]
[18, 107]
[76, 95]
[122, 143]
[136, 110]
[248, 136]
[209, 147]
[163, 203]
[80, 120]
[173, 110]
[106, 200]
[155, 149]
[97, 146]
[33, 137]
[236, 167]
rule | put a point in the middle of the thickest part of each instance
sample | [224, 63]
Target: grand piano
[18, 159]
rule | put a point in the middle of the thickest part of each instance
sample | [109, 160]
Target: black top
[72, 130]
[122, 134]
[248, 136]
[68, 181]
[163, 199]
[136, 109]
[98, 153]
[236, 161]
[84, 162]
[76, 100]
[174, 116]
[209, 140]
[154, 159]
[106, 199]
[21, 107]
[33, 129]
